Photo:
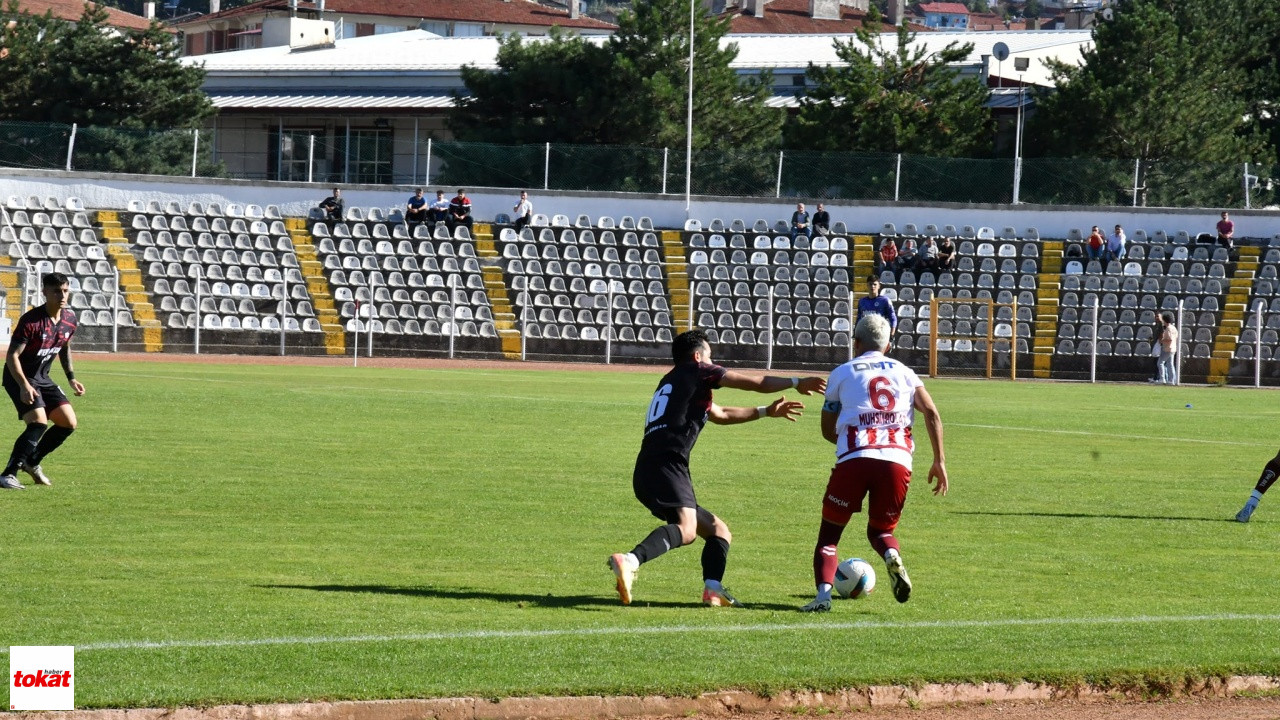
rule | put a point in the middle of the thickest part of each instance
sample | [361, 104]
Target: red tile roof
[73, 9]
[951, 8]
[514, 12]
[791, 17]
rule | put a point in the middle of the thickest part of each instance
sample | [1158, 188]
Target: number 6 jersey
[873, 396]
[678, 410]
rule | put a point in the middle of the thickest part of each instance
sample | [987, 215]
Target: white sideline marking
[670, 629]
[1161, 438]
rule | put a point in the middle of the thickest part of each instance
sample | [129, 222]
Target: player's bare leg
[715, 556]
[1269, 474]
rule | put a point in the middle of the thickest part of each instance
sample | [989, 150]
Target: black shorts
[48, 396]
[663, 486]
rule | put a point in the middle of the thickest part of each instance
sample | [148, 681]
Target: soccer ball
[855, 578]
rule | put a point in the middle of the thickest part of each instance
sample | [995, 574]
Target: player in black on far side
[42, 333]
[678, 411]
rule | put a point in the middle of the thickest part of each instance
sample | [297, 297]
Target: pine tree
[1164, 85]
[902, 99]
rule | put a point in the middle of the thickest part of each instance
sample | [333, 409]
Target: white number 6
[659, 404]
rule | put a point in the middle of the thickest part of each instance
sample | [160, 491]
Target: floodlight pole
[284, 298]
[115, 310]
[768, 363]
[372, 307]
[1257, 344]
[1177, 377]
[688, 135]
[1093, 351]
[1017, 150]
[608, 328]
[453, 312]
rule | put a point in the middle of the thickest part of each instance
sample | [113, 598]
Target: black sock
[24, 446]
[1269, 474]
[50, 442]
[662, 539]
[715, 555]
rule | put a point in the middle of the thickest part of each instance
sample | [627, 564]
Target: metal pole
[1137, 168]
[1017, 154]
[372, 308]
[427, 173]
[1257, 345]
[199, 320]
[690, 306]
[1246, 186]
[355, 338]
[666, 153]
[71, 145]
[415, 151]
[311, 159]
[195, 150]
[777, 192]
[546, 169]
[768, 358]
[284, 299]
[1177, 378]
[608, 329]
[524, 330]
[1093, 351]
[688, 133]
[897, 178]
[852, 323]
[115, 309]
[346, 155]
[453, 313]
[279, 148]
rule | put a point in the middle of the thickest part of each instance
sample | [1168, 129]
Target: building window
[468, 29]
[289, 150]
[370, 156]
[436, 27]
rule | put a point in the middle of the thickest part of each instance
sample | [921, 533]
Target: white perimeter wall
[100, 191]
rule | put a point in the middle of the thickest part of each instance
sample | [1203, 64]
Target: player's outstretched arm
[771, 383]
[780, 408]
[933, 424]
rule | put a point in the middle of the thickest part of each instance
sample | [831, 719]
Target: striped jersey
[874, 398]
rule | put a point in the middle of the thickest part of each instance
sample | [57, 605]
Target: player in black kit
[41, 334]
[681, 406]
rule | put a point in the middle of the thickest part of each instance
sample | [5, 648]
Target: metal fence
[396, 156]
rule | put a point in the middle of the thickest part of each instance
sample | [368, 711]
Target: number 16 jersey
[874, 397]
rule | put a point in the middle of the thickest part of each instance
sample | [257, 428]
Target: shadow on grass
[581, 602]
[1098, 516]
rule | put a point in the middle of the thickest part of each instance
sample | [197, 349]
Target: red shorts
[885, 482]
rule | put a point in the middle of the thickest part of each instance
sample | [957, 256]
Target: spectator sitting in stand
[415, 210]
[438, 212]
[887, 258]
[907, 254]
[1115, 246]
[799, 222]
[1226, 232]
[927, 258]
[459, 211]
[333, 206]
[1096, 244]
[523, 211]
[822, 221]
[946, 254]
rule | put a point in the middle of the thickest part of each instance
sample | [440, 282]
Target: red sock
[881, 540]
[825, 559]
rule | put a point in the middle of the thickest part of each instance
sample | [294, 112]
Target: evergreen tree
[1163, 84]
[899, 99]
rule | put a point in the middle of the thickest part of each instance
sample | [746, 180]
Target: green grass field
[227, 533]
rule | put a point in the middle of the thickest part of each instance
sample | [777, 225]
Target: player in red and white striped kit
[868, 414]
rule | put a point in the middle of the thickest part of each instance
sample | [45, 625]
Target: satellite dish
[1000, 51]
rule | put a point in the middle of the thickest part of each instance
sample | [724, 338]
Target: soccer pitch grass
[239, 533]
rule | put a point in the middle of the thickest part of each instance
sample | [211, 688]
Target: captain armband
[831, 406]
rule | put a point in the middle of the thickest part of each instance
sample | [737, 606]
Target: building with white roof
[382, 96]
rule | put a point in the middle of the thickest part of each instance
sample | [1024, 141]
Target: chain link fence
[392, 155]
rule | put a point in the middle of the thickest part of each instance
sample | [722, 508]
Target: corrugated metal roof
[385, 100]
